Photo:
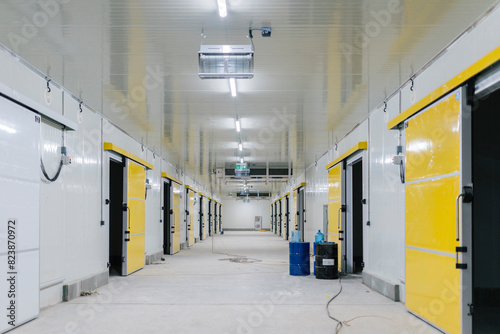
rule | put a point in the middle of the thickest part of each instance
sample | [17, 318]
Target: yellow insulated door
[433, 182]
[191, 217]
[335, 214]
[176, 227]
[135, 218]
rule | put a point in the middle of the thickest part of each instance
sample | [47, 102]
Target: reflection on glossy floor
[199, 291]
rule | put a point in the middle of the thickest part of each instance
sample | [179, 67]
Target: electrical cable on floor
[220, 253]
[340, 324]
[376, 316]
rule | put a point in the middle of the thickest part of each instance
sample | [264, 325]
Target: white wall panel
[154, 219]
[242, 215]
[27, 83]
[114, 135]
[487, 37]
[52, 224]
[384, 243]
[19, 214]
[316, 196]
[5, 67]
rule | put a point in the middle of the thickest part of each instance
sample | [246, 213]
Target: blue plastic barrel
[299, 259]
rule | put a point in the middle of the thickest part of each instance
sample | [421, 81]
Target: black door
[167, 217]
[486, 214]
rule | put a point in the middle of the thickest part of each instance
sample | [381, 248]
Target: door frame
[466, 213]
[301, 210]
[348, 224]
[167, 217]
[287, 216]
[116, 158]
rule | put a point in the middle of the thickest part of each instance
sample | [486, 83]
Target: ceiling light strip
[232, 84]
[222, 8]
[238, 125]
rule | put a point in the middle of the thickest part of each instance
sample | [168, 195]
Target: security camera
[266, 31]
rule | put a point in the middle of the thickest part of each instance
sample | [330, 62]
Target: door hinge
[467, 194]
[471, 309]
[123, 258]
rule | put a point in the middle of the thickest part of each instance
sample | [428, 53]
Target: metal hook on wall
[80, 106]
[385, 106]
[48, 85]
[412, 84]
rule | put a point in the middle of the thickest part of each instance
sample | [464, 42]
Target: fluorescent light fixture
[232, 83]
[222, 8]
[238, 125]
[240, 146]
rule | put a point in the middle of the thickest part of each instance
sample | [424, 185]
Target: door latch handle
[467, 197]
[341, 209]
[461, 250]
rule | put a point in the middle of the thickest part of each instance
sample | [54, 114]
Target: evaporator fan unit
[225, 61]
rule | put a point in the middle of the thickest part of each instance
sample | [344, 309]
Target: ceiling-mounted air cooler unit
[225, 61]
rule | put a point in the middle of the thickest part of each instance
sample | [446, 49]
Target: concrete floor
[197, 291]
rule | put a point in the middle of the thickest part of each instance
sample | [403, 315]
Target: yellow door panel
[177, 194]
[136, 180]
[136, 187]
[333, 227]
[176, 238]
[137, 215]
[433, 140]
[135, 253]
[334, 185]
[177, 230]
[431, 214]
[333, 220]
[433, 289]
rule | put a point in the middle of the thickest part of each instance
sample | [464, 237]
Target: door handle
[126, 208]
[466, 197]
[341, 209]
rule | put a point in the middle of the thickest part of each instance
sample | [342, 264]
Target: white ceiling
[313, 69]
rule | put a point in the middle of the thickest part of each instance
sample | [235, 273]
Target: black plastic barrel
[299, 259]
[326, 264]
